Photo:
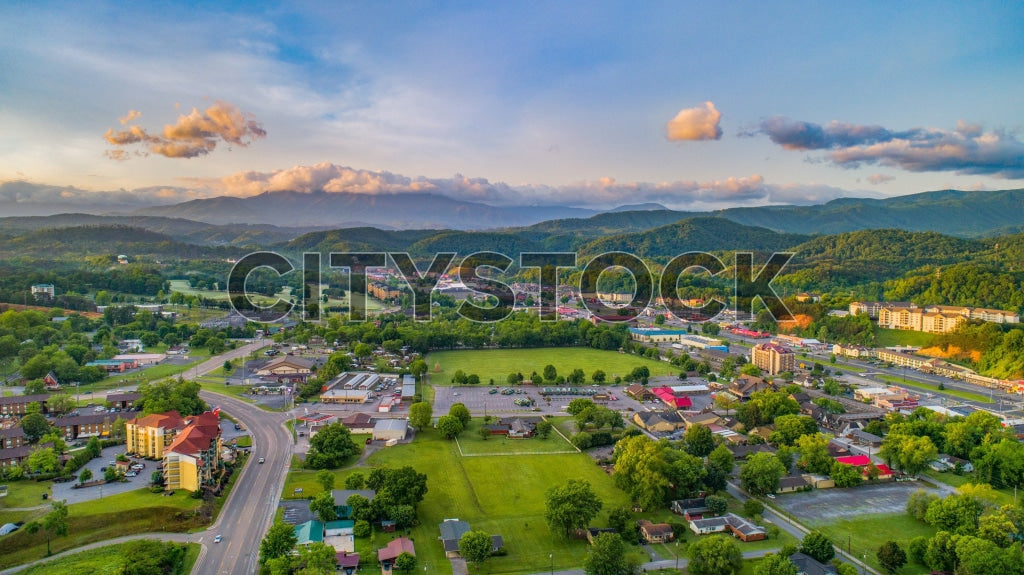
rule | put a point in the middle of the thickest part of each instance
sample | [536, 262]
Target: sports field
[496, 364]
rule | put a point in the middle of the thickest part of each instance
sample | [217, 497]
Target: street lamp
[551, 558]
[677, 555]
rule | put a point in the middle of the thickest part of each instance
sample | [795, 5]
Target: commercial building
[385, 429]
[772, 358]
[655, 335]
[150, 436]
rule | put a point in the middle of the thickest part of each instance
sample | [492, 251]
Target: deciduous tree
[571, 506]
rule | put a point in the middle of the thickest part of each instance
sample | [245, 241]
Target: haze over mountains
[275, 217]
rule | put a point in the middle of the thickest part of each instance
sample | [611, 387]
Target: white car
[217, 539]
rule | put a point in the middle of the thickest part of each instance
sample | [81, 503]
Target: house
[739, 527]
[192, 459]
[745, 451]
[386, 555]
[792, 483]
[593, 532]
[640, 393]
[50, 381]
[386, 429]
[807, 565]
[347, 562]
[14, 456]
[746, 385]
[705, 419]
[861, 437]
[763, 431]
[655, 532]
[341, 498]
[309, 532]
[150, 435]
[451, 531]
[359, 422]
[945, 462]
[658, 421]
[515, 428]
[690, 508]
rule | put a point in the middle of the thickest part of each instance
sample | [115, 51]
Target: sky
[596, 104]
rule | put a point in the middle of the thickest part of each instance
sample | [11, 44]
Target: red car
[369, 440]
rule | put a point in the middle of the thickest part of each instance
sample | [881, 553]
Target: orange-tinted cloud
[700, 123]
[195, 134]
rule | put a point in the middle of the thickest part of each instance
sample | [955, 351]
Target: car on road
[369, 440]
[218, 538]
[771, 496]
[261, 460]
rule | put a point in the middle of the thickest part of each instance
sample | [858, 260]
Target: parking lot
[822, 505]
[64, 491]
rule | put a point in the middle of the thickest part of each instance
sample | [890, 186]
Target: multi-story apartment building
[773, 358]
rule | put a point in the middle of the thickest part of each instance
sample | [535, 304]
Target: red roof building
[863, 462]
[674, 401]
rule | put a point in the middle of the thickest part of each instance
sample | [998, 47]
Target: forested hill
[695, 234]
[106, 241]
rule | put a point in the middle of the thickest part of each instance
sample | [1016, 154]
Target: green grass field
[136, 511]
[948, 391]
[498, 494]
[100, 561]
[472, 444]
[185, 288]
[866, 533]
[24, 493]
[892, 337]
[498, 363]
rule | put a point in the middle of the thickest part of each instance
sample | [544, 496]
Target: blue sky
[515, 102]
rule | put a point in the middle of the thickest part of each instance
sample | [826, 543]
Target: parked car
[218, 538]
[261, 460]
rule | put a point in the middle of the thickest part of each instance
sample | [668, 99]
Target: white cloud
[699, 123]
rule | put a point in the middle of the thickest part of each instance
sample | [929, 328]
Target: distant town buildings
[44, 290]
[929, 319]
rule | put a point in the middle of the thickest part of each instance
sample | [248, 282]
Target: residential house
[706, 419]
[658, 421]
[150, 435]
[946, 462]
[739, 527]
[694, 508]
[861, 437]
[451, 531]
[515, 428]
[192, 459]
[347, 562]
[50, 381]
[655, 532]
[807, 565]
[763, 431]
[745, 451]
[746, 385]
[386, 555]
[14, 456]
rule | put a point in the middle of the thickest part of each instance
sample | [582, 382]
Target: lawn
[24, 493]
[136, 511]
[472, 444]
[99, 561]
[498, 363]
[894, 337]
[947, 391]
[1002, 496]
[866, 533]
[497, 494]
